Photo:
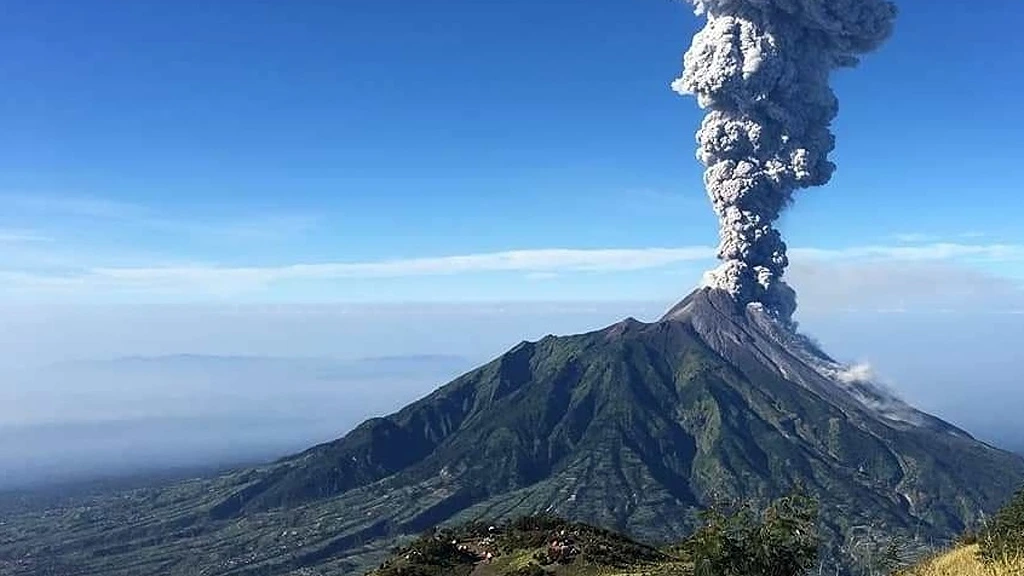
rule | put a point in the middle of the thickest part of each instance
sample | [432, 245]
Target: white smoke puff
[862, 383]
[761, 69]
[863, 374]
[856, 373]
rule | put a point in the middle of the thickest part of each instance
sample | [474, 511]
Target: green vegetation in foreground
[997, 550]
[781, 540]
[965, 561]
[1003, 537]
[533, 545]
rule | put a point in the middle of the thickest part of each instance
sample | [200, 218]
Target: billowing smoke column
[761, 69]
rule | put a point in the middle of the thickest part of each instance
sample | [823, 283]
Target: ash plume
[761, 70]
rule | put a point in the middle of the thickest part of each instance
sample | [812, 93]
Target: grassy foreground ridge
[780, 540]
[965, 561]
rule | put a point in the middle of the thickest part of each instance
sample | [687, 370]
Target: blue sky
[391, 150]
[380, 177]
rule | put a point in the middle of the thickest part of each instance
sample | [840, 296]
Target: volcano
[635, 427]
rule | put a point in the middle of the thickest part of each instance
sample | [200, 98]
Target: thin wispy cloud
[973, 234]
[901, 285]
[915, 237]
[531, 264]
[37, 264]
[931, 238]
[68, 215]
[526, 261]
[933, 251]
[73, 205]
[246, 229]
[8, 236]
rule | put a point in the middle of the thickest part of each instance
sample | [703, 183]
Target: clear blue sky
[174, 150]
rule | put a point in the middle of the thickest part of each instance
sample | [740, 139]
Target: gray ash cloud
[760, 68]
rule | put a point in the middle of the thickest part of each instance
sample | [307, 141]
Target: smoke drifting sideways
[761, 70]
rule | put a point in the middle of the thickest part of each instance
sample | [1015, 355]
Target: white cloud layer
[874, 275]
[901, 285]
[934, 251]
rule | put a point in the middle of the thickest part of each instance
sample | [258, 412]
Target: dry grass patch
[965, 562]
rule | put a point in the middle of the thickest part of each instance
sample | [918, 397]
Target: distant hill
[633, 428]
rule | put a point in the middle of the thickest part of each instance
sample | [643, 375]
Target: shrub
[538, 522]
[529, 570]
[1003, 537]
[432, 554]
[781, 540]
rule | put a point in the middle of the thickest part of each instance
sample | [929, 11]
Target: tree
[1003, 537]
[781, 540]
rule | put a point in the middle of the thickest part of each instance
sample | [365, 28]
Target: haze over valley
[208, 389]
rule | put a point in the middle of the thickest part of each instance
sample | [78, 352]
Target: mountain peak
[634, 427]
[751, 336]
[704, 301]
[637, 425]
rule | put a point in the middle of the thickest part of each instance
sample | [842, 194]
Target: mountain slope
[633, 428]
[703, 402]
